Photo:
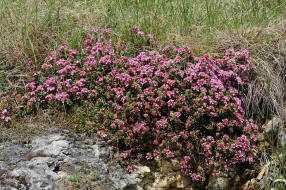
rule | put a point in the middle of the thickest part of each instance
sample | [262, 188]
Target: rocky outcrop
[275, 127]
[57, 161]
[65, 160]
[164, 175]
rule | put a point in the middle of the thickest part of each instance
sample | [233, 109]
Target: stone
[38, 177]
[142, 171]
[218, 183]
[51, 145]
[176, 164]
[273, 126]
[182, 181]
[188, 188]
[150, 187]
[62, 174]
[100, 152]
[122, 180]
[51, 158]
[165, 166]
[282, 139]
[260, 137]
[13, 154]
[164, 181]
[139, 188]
[254, 185]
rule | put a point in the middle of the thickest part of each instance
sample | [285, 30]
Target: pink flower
[31, 101]
[148, 156]
[138, 127]
[171, 103]
[49, 97]
[95, 30]
[62, 96]
[7, 119]
[170, 154]
[84, 90]
[254, 138]
[140, 33]
[135, 28]
[129, 169]
[177, 114]
[154, 101]
[151, 38]
[4, 111]
[181, 50]
[196, 177]
[162, 123]
[174, 139]
[31, 85]
[47, 66]
[107, 31]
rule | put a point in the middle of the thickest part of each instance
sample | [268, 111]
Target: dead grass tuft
[30, 29]
[266, 93]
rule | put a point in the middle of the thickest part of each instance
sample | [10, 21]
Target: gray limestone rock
[54, 157]
[218, 183]
[273, 126]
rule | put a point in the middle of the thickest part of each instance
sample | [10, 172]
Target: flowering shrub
[162, 102]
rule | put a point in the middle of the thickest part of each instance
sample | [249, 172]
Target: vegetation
[31, 29]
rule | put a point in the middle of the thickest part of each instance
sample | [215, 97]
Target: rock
[176, 164]
[167, 176]
[218, 183]
[51, 145]
[273, 125]
[12, 184]
[36, 173]
[260, 137]
[100, 152]
[150, 187]
[62, 174]
[38, 177]
[165, 166]
[122, 180]
[245, 186]
[282, 139]
[13, 154]
[254, 185]
[125, 184]
[182, 181]
[189, 187]
[52, 158]
[143, 176]
[164, 181]
[142, 171]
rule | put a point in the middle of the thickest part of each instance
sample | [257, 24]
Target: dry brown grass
[23, 130]
[266, 93]
[30, 29]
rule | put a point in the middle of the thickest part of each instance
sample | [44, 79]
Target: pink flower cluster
[4, 117]
[159, 102]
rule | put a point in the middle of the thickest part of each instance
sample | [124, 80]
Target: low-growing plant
[162, 102]
[74, 179]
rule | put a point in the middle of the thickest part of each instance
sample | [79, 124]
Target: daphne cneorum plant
[163, 102]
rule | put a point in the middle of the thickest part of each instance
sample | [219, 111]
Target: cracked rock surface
[61, 161]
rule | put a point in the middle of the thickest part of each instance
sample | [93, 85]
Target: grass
[197, 19]
[276, 170]
[74, 178]
[30, 29]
